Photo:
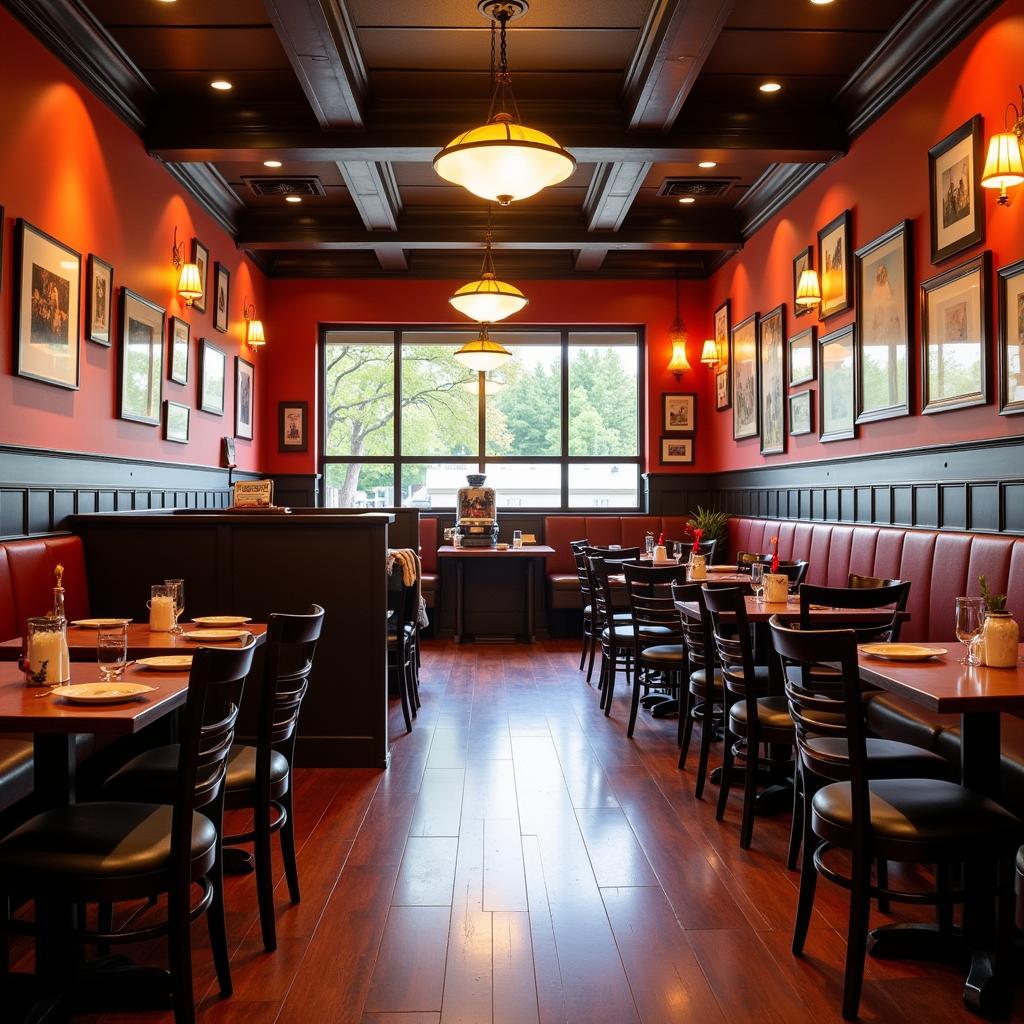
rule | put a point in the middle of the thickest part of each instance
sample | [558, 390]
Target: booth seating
[629, 531]
[428, 559]
[940, 566]
[26, 590]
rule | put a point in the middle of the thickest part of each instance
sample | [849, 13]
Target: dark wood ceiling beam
[374, 191]
[611, 193]
[586, 261]
[392, 259]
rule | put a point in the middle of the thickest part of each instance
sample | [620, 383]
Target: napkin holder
[776, 587]
[697, 568]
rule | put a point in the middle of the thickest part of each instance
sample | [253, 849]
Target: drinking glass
[677, 550]
[112, 651]
[517, 538]
[179, 601]
[649, 545]
[969, 618]
[757, 580]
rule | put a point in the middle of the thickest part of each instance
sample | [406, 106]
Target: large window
[556, 427]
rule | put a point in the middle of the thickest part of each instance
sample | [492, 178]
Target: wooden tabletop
[764, 610]
[527, 551]
[730, 578]
[943, 684]
[142, 641]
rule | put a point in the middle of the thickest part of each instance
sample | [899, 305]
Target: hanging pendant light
[503, 160]
[678, 364]
[482, 353]
[488, 300]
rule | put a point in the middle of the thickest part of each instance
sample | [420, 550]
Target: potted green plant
[713, 526]
[999, 634]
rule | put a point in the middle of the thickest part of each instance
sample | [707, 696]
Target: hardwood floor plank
[546, 969]
[440, 803]
[515, 988]
[427, 875]
[490, 790]
[448, 748]
[401, 1018]
[504, 877]
[615, 854]
[409, 974]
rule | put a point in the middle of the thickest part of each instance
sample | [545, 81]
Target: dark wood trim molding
[771, 192]
[208, 187]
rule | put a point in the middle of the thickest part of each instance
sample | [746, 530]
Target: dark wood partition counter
[248, 564]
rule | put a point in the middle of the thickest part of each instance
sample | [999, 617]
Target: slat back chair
[402, 603]
[894, 595]
[590, 636]
[616, 636]
[745, 559]
[705, 548]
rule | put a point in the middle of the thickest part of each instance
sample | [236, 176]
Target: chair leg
[944, 906]
[1003, 960]
[882, 867]
[104, 923]
[728, 759]
[291, 870]
[179, 956]
[593, 651]
[808, 878]
[796, 828]
[403, 688]
[857, 934]
[686, 705]
[749, 793]
[634, 705]
[707, 735]
[217, 924]
[609, 682]
[583, 646]
[265, 876]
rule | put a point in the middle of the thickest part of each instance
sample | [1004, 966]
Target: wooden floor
[522, 862]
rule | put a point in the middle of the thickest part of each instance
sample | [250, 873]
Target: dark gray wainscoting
[40, 488]
[296, 490]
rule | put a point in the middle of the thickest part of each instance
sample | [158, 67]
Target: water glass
[970, 614]
[112, 651]
[757, 580]
[649, 545]
[677, 550]
[179, 601]
[517, 538]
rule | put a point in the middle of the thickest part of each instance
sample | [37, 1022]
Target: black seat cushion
[15, 770]
[152, 774]
[102, 840]
[669, 656]
[887, 759]
[930, 812]
[626, 632]
[772, 713]
[588, 612]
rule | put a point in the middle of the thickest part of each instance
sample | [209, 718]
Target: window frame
[396, 460]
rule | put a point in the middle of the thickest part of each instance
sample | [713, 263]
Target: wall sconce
[678, 364]
[190, 285]
[255, 337]
[808, 289]
[709, 354]
[1004, 167]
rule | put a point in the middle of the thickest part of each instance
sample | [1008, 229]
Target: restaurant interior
[511, 512]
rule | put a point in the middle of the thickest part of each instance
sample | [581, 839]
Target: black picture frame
[874, 305]
[97, 269]
[840, 226]
[287, 415]
[245, 398]
[210, 358]
[745, 392]
[810, 336]
[201, 258]
[722, 323]
[688, 402]
[828, 428]
[221, 298]
[2, 215]
[172, 414]
[771, 376]
[153, 318]
[29, 362]
[971, 130]
[176, 324]
[800, 399]
[803, 260]
[980, 267]
[1007, 278]
[686, 443]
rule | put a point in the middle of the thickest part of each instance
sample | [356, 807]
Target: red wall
[884, 179]
[298, 307]
[73, 169]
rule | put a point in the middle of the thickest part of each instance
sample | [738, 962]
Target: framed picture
[201, 258]
[956, 207]
[723, 370]
[803, 260]
[176, 422]
[245, 396]
[801, 413]
[213, 364]
[743, 356]
[679, 412]
[140, 393]
[1011, 338]
[771, 357]
[836, 419]
[177, 363]
[222, 297]
[834, 263]
[954, 337]
[1, 248]
[884, 326]
[677, 450]
[48, 286]
[99, 300]
[803, 356]
[292, 426]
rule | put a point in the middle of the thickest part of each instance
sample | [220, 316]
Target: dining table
[979, 695]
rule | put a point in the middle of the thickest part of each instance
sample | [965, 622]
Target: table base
[776, 798]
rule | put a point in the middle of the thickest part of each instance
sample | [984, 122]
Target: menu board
[253, 494]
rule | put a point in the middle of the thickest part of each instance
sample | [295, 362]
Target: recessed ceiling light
[687, 199]
[271, 163]
[769, 87]
[293, 199]
[820, 3]
[220, 84]
[707, 164]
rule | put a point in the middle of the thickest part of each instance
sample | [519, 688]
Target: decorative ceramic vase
[698, 569]
[999, 638]
[776, 587]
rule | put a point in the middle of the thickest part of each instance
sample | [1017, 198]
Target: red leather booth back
[26, 581]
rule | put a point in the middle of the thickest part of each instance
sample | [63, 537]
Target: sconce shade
[709, 354]
[254, 336]
[1004, 167]
[488, 300]
[190, 286]
[482, 354]
[679, 364]
[808, 289]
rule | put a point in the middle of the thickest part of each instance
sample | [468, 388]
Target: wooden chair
[616, 635]
[705, 548]
[590, 635]
[908, 820]
[109, 851]
[402, 603]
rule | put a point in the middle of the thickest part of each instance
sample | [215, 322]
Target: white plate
[215, 635]
[99, 623]
[222, 620]
[167, 663]
[902, 652]
[101, 693]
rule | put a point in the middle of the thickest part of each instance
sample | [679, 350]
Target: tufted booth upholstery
[629, 531]
[940, 566]
[428, 558]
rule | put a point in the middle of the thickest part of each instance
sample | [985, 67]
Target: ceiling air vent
[676, 188]
[275, 185]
